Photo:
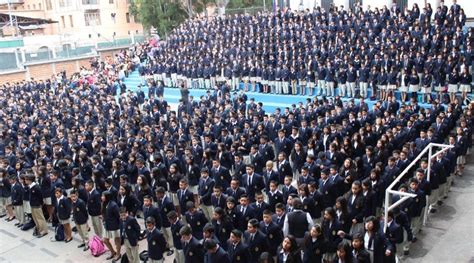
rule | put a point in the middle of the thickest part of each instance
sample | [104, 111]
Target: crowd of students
[348, 53]
[219, 179]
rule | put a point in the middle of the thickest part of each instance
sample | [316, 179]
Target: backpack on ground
[96, 246]
[144, 256]
[59, 233]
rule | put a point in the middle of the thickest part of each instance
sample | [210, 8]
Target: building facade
[78, 21]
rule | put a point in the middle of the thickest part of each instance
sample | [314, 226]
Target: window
[71, 21]
[49, 6]
[63, 22]
[65, 3]
[92, 18]
[127, 16]
[90, 2]
[326, 4]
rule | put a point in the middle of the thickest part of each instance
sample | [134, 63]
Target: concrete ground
[21, 246]
[447, 237]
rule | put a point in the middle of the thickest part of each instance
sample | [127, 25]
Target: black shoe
[69, 240]
[85, 248]
[74, 229]
[81, 245]
[117, 259]
[20, 225]
[17, 224]
[440, 202]
[406, 252]
[42, 235]
[170, 252]
[1, 216]
[433, 210]
[10, 219]
[414, 240]
[110, 257]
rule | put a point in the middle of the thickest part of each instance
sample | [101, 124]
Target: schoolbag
[96, 246]
[124, 259]
[59, 233]
[144, 256]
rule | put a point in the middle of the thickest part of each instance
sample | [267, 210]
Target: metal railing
[405, 196]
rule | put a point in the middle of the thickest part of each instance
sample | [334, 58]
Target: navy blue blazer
[112, 216]
[79, 212]
[156, 244]
[193, 251]
[130, 230]
[63, 208]
[94, 203]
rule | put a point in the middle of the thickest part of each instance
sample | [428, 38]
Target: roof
[23, 20]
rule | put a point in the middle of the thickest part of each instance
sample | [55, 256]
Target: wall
[44, 69]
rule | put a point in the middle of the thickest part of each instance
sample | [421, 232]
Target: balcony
[12, 2]
[90, 4]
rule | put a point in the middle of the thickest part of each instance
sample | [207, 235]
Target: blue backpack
[59, 233]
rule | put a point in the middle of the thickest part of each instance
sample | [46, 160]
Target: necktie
[250, 181]
[251, 237]
[371, 240]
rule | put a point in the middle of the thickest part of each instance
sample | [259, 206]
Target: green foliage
[245, 3]
[164, 15]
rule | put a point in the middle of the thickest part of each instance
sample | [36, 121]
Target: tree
[163, 15]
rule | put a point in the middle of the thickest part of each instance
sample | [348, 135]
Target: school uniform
[193, 251]
[257, 243]
[175, 228]
[112, 220]
[238, 252]
[94, 205]
[36, 203]
[5, 194]
[156, 246]
[130, 233]
[205, 190]
[63, 210]
[80, 215]
[17, 201]
[197, 221]
[165, 206]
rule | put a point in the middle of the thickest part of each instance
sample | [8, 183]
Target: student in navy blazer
[111, 215]
[184, 195]
[94, 204]
[63, 211]
[79, 213]
[17, 199]
[129, 235]
[255, 240]
[215, 253]
[193, 250]
[155, 240]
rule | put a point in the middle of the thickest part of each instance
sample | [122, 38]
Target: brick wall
[12, 77]
[45, 69]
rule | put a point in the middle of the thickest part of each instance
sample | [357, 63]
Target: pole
[11, 17]
[387, 204]
[427, 207]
